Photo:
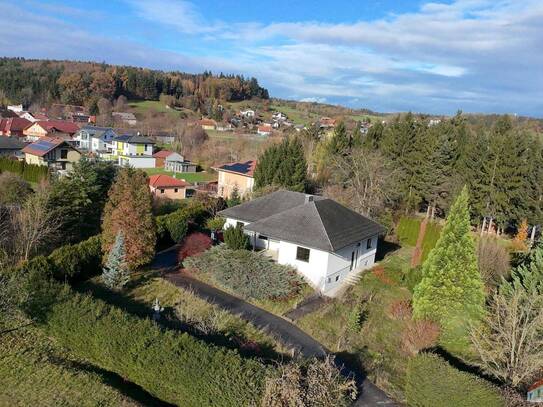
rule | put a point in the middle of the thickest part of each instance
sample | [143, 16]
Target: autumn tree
[129, 210]
[521, 236]
[451, 289]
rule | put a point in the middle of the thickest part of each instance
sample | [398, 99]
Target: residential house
[164, 186]
[160, 157]
[247, 113]
[176, 163]
[326, 122]
[236, 176]
[535, 392]
[264, 129]
[56, 153]
[278, 116]
[326, 242]
[27, 115]
[50, 128]
[207, 124]
[11, 147]
[13, 127]
[222, 126]
[133, 150]
[95, 140]
[127, 118]
[15, 108]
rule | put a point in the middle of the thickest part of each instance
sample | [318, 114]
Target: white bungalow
[326, 242]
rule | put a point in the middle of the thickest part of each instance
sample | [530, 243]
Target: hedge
[432, 382]
[29, 172]
[174, 226]
[172, 366]
[408, 233]
[73, 262]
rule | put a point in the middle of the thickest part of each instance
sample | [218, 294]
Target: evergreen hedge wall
[408, 233]
[29, 172]
[174, 226]
[172, 366]
[432, 382]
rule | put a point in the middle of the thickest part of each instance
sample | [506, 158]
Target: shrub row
[172, 366]
[248, 274]
[73, 262]
[432, 382]
[174, 226]
[408, 233]
[29, 172]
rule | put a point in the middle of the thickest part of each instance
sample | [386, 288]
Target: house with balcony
[56, 153]
[96, 140]
[238, 176]
[326, 242]
[133, 150]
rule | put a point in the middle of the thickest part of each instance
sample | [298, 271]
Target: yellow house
[236, 175]
[55, 153]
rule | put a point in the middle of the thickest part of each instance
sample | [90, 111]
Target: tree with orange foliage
[128, 210]
[521, 236]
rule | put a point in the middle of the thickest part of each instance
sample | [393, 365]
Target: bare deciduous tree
[510, 342]
[493, 261]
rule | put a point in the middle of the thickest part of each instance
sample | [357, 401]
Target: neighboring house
[95, 139]
[56, 153]
[11, 147]
[127, 118]
[16, 108]
[51, 128]
[207, 124]
[326, 242]
[247, 113]
[164, 186]
[160, 157]
[278, 116]
[13, 127]
[236, 175]
[28, 116]
[176, 163]
[264, 129]
[326, 122]
[135, 151]
[224, 127]
[535, 392]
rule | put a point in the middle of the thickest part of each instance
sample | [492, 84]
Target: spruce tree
[115, 274]
[340, 141]
[234, 198]
[451, 289]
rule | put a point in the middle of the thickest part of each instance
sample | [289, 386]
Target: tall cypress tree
[451, 290]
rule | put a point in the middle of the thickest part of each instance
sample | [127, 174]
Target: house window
[368, 244]
[262, 237]
[175, 190]
[337, 277]
[161, 191]
[63, 154]
[302, 254]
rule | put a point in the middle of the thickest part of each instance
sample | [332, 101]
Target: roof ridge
[322, 223]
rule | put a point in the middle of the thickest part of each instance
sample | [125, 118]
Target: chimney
[309, 198]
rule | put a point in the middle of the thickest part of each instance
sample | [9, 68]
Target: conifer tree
[129, 209]
[234, 198]
[115, 274]
[340, 141]
[451, 289]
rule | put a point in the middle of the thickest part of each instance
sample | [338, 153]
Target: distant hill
[45, 82]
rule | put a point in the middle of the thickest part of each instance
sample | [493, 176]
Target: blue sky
[387, 55]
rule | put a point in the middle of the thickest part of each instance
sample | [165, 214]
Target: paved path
[281, 329]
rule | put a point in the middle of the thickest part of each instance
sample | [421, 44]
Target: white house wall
[314, 270]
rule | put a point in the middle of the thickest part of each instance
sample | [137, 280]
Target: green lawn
[187, 176]
[143, 106]
[34, 371]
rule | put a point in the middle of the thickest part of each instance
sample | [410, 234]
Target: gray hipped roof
[318, 223]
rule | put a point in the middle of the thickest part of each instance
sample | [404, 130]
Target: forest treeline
[82, 83]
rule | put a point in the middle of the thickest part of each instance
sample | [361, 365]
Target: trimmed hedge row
[172, 366]
[432, 382]
[174, 226]
[73, 262]
[29, 172]
[408, 233]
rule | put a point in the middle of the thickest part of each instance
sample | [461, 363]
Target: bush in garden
[216, 223]
[432, 382]
[401, 310]
[194, 244]
[177, 226]
[235, 239]
[419, 335]
[248, 274]
[77, 261]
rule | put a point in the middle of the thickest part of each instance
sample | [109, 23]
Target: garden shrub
[77, 261]
[194, 244]
[174, 226]
[177, 226]
[172, 366]
[432, 382]
[248, 274]
[216, 223]
[235, 238]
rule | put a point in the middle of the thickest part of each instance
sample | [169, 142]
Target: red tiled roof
[537, 384]
[165, 181]
[43, 146]
[207, 122]
[59, 125]
[265, 128]
[162, 154]
[14, 124]
[246, 168]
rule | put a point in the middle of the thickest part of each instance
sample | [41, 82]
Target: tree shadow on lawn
[125, 387]
[351, 364]
[168, 320]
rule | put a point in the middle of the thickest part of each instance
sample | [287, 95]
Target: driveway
[284, 331]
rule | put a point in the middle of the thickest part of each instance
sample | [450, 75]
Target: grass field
[143, 106]
[187, 176]
[34, 371]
